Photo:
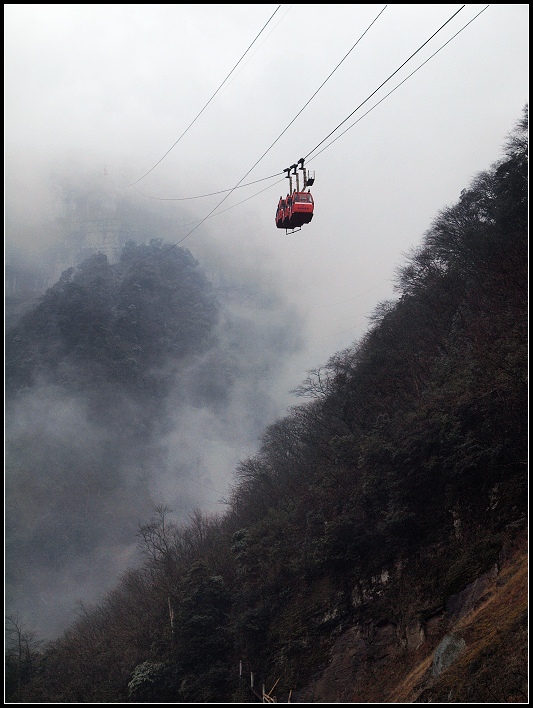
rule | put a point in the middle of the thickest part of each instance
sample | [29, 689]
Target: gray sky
[108, 90]
[115, 86]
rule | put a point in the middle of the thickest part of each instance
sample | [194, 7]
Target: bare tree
[22, 652]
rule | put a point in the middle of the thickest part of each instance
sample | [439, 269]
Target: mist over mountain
[136, 378]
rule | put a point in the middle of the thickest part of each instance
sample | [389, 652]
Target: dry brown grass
[493, 667]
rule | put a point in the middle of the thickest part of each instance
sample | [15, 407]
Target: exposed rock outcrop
[439, 657]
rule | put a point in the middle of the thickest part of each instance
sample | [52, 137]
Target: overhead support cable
[360, 118]
[287, 127]
[384, 82]
[239, 185]
[396, 87]
[211, 194]
[283, 131]
[203, 109]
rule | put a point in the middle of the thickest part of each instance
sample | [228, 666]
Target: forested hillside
[105, 325]
[394, 490]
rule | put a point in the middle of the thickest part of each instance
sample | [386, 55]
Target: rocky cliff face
[471, 648]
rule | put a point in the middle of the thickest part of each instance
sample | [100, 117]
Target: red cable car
[280, 213]
[300, 210]
[298, 207]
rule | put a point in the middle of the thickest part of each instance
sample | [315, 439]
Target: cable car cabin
[299, 209]
[280, 213]
[295, 210]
